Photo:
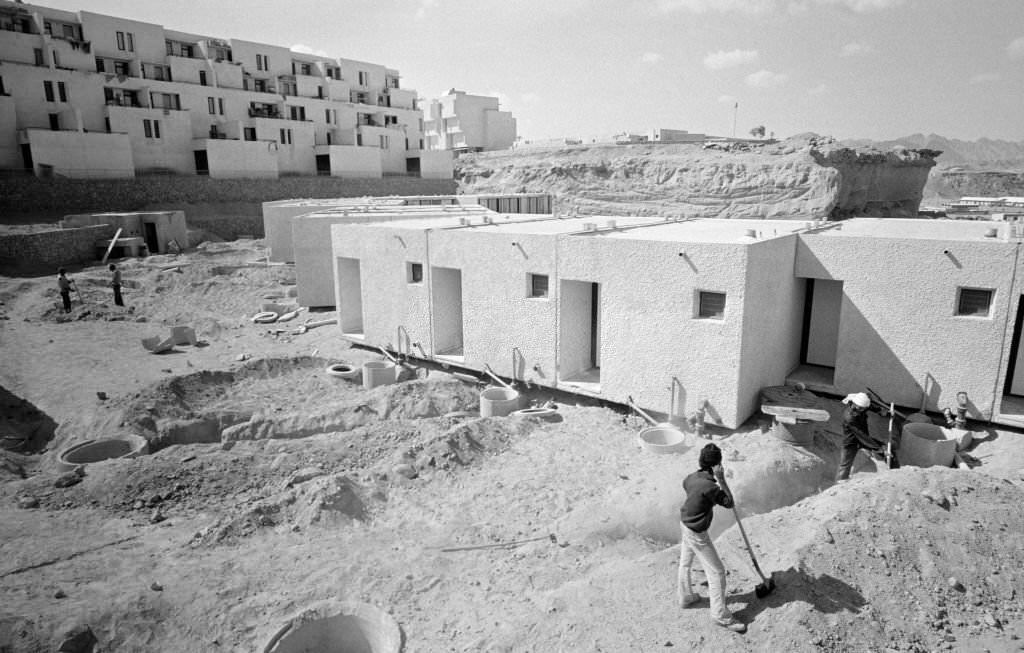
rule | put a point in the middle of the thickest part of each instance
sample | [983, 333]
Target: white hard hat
[858, 399]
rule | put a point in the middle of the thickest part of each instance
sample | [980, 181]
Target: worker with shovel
[64, 285]
[705, 489]
[856, 435]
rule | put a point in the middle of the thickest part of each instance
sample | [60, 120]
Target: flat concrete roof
[403, 212]
[709, 230]
[438, 219]
[547, 224]
[924, 229]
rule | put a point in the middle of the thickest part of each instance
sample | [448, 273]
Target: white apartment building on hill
[88, 95]
[461, 122]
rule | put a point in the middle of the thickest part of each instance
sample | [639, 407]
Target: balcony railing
[123, 102]
[263, 113]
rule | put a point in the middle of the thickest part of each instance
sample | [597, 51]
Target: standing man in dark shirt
[856, 435]
[115, 283]
[705, 489]
[64, 285]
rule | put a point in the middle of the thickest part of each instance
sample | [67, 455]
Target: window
[120, 40]
[297, 113]
[48, 91]
[289, 88]
[151, 128]
[56, 58]
[211, 105]
[62, 92]
[385, 142]
[286, 137]
[390, 120]
[106, 123]
[202, 78]
[249, 133]
[99, 65]
[320, 92]
[38, 52]
[170, 48]
[711, 305]
[68, 30]
[186, 51]
[974, 302]
[121, 68]
[259, 85]
[414, 272]
[131, 42]
[538, 285]
[220, 106]
[364, 78]
[2, 91]
[48, 27]
[55, 122]
[262, 63]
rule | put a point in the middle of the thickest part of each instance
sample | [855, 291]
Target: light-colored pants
[700, 545]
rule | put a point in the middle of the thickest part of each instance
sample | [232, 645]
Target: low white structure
[162, 231]
[279, 216]
[462, 122]
[676, 313]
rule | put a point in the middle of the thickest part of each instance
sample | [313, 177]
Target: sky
[877, 69]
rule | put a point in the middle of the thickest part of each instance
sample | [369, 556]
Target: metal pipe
[490, 372]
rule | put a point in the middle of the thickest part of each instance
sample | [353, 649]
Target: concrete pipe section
[498, 402]
[93, 451]
[343, 371]
[663, 439]
[347, 628]
[376, 373]
[925, 445]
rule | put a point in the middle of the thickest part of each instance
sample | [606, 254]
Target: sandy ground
[474, 534]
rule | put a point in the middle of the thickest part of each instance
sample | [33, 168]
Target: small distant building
[659, 135]
[626, 138]
[462, 122]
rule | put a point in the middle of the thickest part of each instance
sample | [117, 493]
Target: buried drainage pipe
[352, 628]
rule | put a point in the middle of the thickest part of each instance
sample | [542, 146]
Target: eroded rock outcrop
[802, 178]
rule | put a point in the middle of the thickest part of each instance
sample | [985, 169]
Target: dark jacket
[855, 429]
[702, 495]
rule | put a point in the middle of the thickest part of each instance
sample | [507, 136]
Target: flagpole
[735, 110]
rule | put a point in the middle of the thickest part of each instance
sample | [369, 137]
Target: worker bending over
[857, 436]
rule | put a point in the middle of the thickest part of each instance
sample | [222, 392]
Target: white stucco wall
[355, 162]
[898, 320]
[241, 159]
[82, 154]
[650, 335]
[436, 164]
[772, 321]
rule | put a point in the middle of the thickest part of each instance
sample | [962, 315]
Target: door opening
[446, 297]
[152, 241]
[579, 334]
[350, 297]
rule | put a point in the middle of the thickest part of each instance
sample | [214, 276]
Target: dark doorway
[595, 327]
[26, 156]
[412, 165]
[323, 165]
[152, 242]
[202, 165]
[1015, 372]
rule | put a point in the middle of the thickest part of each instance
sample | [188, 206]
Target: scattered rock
[403, 469]
[59, 594]
[102, 396]
[142, 318]
[79, 639]
[157, 516]
[955, 584]
[303, 475]
[243, 357]
[156, 587]
[27, 503]
[67, 480]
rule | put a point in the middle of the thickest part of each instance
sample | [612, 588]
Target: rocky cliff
[801, 178]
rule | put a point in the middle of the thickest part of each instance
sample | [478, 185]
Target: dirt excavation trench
[274, 500]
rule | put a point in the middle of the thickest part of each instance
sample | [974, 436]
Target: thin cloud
[1016, 49]
[769, 6]
[421, 11]
[985, 78]
[856, 49]
[817, 90]
[722, 59]
[305, 49]
[651, 57]
[766, 79]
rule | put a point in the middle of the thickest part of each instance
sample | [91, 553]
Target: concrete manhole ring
[543, 413]
[663, 439]
[342, 371]
[93, 451]
[348, 627]
[265, 317]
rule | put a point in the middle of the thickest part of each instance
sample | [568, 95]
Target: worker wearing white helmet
[856, 435]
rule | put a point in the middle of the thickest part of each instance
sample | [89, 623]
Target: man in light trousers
[705, 489]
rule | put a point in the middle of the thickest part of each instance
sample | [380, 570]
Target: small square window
[538, 285]
[414, 272]
[974, 302]
[711, 305]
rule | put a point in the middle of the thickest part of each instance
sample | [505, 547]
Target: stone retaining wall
[52, 249]
[28, 195]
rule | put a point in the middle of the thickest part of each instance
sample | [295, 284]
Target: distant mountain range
[982, 154]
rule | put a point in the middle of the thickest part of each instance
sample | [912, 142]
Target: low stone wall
[52, 249]
[228, 227]
[31, 195]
